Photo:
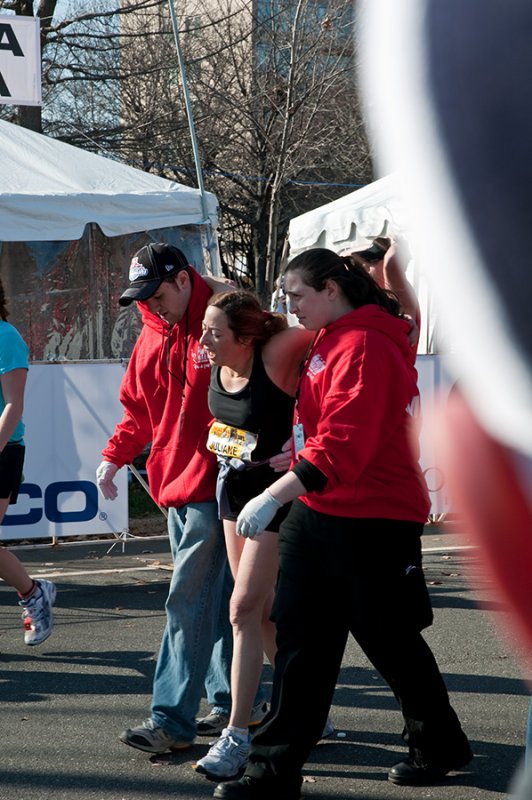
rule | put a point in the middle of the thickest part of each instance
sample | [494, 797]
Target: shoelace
[151, 725]
[34, 612]
[224, 742]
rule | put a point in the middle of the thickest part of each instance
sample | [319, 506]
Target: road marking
[449, 549]
[59, 574]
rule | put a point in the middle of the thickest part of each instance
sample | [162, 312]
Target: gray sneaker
[226, 758]
[211, 725]
[258, 713]
[151, 738]
[214, 723]
[38, 614]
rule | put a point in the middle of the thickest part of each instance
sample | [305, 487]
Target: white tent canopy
[377, 209]
[357, 218]
[51, 190]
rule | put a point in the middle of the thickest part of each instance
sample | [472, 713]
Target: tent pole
[211, 242]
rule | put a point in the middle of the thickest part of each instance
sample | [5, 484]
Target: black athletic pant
[361, 575]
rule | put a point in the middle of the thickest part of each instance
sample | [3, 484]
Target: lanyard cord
[181, 419]
[302, 365]
[185, 356]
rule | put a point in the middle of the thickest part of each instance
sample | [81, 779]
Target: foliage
[273, 90]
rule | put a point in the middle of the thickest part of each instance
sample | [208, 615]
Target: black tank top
[260, 407]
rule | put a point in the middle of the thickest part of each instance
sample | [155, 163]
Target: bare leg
[254, 564]
[11, 569]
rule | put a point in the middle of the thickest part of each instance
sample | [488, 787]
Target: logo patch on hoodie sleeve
[317, 364]
[200, 359]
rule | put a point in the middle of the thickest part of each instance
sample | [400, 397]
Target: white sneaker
[38, 614]
[228, 755]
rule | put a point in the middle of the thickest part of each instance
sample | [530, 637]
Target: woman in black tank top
[255, 358]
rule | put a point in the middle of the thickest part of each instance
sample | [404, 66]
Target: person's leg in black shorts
[36, 597]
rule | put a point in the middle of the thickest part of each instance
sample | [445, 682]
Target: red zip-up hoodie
[357, 401]
[158, 409]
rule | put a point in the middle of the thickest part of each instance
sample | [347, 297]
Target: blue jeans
[197, 644]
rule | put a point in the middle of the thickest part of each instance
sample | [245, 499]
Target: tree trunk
[30, 117]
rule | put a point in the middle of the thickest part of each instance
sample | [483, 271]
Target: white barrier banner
[20, 60]
[70, 411]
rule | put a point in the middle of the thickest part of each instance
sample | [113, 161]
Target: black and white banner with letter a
[20, 60]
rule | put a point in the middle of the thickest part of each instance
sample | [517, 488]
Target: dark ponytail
[4, 313]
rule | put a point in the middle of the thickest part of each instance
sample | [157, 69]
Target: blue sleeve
[13, 350]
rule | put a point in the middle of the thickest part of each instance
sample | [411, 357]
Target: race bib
[224, 440]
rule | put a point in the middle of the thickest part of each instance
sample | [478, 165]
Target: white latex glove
[104, 478]
[257, 514]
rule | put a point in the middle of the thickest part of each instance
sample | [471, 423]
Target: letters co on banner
[70, 411]
[20, 60]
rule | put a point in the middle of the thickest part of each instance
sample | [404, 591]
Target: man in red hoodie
[164, 394]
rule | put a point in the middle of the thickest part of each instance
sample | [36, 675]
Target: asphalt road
[65, 702]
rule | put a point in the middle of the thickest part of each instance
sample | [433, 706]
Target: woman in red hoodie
[350, 547]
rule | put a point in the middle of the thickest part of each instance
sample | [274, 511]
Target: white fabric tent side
[51, 190]
[69, 222]
[355, 220]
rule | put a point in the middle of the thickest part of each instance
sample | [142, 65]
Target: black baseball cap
[149, 266]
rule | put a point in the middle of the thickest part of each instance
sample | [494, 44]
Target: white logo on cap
[137, 270]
